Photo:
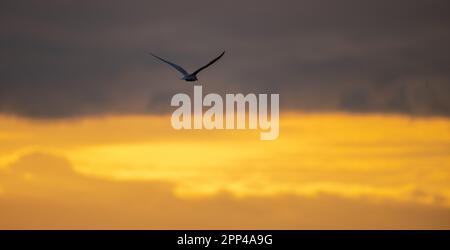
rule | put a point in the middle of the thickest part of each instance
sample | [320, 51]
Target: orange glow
[376, 157]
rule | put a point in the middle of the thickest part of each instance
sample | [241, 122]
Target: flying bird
[186, 76]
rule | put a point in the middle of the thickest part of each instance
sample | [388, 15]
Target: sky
[86, 140]
[74, 58]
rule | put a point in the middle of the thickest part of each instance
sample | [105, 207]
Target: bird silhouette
[186, 76]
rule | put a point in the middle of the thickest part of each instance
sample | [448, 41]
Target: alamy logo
[232, 115]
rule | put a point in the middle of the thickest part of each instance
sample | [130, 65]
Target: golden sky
[326, 170]
[86, 139]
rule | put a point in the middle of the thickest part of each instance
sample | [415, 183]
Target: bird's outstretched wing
[209, 64]
[177, 67]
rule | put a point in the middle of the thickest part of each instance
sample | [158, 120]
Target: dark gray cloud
[67, 58]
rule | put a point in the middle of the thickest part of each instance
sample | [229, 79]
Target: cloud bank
[74, 58]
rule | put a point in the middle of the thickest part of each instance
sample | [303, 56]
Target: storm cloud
[75, 58]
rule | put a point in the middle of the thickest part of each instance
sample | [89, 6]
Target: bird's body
[189, 78]
[186, 76]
